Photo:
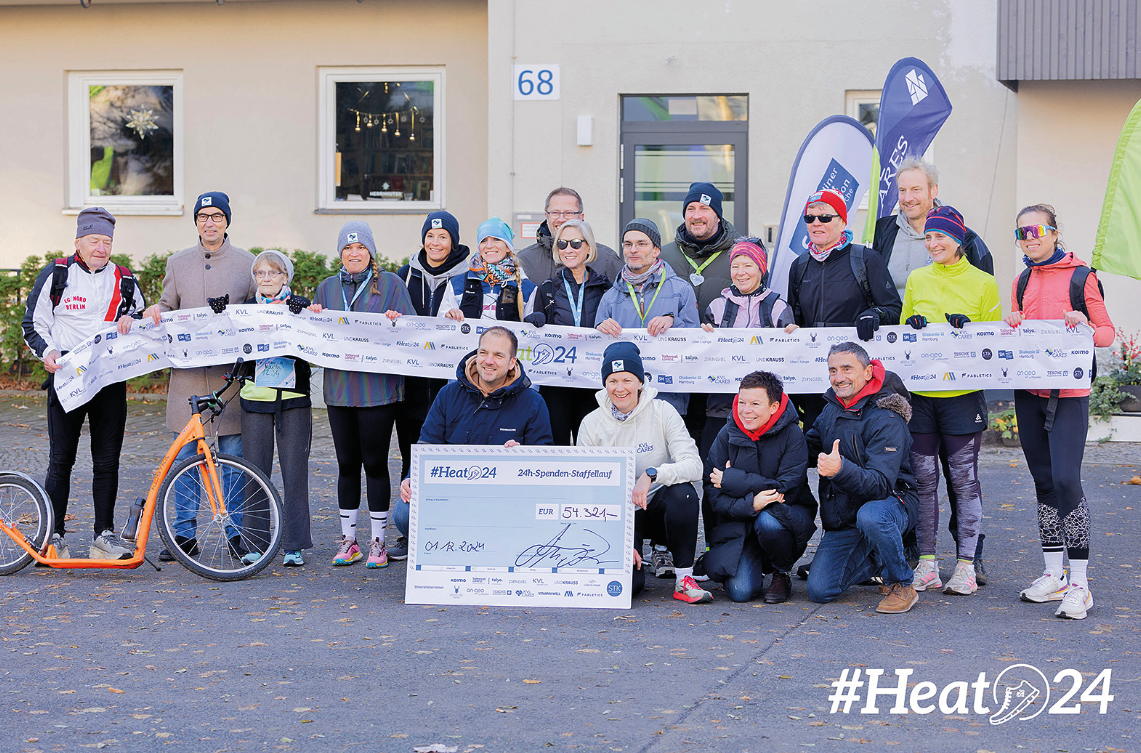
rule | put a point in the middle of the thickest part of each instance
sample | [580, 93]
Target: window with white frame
[125, 141]
[381, 135]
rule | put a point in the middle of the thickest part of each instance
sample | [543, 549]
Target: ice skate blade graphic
[1021, 695]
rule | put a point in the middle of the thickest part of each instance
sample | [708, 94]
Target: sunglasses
[575, 243]
[1026, 232]
[824, 218]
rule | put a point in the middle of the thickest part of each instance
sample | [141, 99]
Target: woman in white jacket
[667, 463]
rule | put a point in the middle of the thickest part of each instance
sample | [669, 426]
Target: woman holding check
[667, 464]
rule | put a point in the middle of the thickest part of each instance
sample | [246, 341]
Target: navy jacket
[876, 447]
[460, 414]
[555, 306]
[977, 253]
[778, 460]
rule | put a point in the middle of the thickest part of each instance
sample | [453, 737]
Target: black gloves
[218, 304]
[538, 319]
[917, 321]
[296, 303]
[957, 320]
[866, 324]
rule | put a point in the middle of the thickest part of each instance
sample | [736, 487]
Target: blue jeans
[852, 555]
[772, 546]
[401, 511]
[187, 489]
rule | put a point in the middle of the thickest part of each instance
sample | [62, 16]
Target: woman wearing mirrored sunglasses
[570, 299]
[949, 289]
[1052, 424]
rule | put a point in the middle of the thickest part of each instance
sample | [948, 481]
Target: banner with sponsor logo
[1042, 355]
[913, 107]
[837, 154]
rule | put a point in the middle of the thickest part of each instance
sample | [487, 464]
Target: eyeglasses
[1026, 232]
[640, 245]
[575, 243]
[201, 219]
[265, 274]
[568, 215]
[824, 218]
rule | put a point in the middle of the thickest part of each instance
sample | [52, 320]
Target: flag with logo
[913, 107]
[1117, 248]
[836, 151]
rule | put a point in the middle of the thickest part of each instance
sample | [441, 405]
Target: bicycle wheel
[24, 506]
[210, 542]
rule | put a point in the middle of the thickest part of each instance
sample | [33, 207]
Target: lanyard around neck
[705, 264]
[637, 307]
[576, 311]
[360, 289]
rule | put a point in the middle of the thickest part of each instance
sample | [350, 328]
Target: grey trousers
[293, 432]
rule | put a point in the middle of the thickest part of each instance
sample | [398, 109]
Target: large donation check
[521, 526]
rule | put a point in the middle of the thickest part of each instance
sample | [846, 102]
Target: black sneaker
[399, 550]
[980, 570]
[186, 544]
[802, 571]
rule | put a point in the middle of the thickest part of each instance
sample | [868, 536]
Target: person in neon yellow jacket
[951, 290]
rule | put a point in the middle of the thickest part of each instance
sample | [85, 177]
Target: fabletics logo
[916, 86]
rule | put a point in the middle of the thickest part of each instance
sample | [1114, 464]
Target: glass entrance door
[669, 143]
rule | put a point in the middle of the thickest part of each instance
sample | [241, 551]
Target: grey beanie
[356, 232]
[95, 221]
[282, 259]
[643, 225]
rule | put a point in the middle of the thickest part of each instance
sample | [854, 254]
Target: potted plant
[1006, 424]
[1127, 375]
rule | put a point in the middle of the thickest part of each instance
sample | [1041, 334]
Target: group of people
[736, 464]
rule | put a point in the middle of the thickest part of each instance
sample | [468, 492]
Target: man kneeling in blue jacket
[490, 402]
[868, 498]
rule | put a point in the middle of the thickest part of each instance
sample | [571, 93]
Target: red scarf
[755, 435]
[871, 388]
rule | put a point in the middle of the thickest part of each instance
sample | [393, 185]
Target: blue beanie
[95, 221]
[356, 232]
[622, 356]
[496, 228]
[215, 199]
[444, 220]
[704, 193]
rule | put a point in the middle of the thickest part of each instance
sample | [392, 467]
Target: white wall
[250, 99]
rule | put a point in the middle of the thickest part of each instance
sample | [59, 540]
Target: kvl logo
[916, 86]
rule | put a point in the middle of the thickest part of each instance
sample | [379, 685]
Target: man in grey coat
[211, 269]
[538, 260]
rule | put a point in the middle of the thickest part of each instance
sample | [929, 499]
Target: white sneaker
[963, 581]
[60, 544]
[1049, 587]
[106, 547]
[1076, 603]
[926, 576]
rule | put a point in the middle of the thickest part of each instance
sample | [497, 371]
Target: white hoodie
[654, 429]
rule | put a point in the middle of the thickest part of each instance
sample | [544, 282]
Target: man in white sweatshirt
[667, 463]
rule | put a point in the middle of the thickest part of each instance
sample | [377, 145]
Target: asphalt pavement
[323, 658]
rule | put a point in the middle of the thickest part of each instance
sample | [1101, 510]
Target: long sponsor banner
[1039, 354]
[521, 526]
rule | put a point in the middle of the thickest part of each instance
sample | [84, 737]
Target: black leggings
[1055, 461]
[107, 414]
[670, 519]
[362, 436]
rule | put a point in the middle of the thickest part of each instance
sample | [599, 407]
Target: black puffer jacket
[555, 306]
[777, 460]
[875, 445]
[830, 296]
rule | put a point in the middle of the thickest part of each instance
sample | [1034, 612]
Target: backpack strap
[1078, 289]
[1020, 290]
[59, 282]
[127, 284]
[860, 270]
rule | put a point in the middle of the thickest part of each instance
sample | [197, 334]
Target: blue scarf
[282, 295]
[1059, 254]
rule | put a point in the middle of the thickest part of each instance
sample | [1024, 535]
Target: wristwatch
[652, 473]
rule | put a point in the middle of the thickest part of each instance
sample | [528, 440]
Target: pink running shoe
[377, 555]
[348, 553]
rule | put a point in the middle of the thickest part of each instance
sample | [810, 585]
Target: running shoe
[688, 591]
[377, 555]
[61, 550]
[106, 546]
[663, 562]
[926, 576]
[963, 581]
[348, 553]
[399, 550]
[293, 559]
[1049, 587]
[1075, 604]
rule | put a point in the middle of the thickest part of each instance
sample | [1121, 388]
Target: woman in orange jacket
[1052, 424]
